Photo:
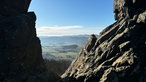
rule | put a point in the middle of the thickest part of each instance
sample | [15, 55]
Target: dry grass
[57, 66]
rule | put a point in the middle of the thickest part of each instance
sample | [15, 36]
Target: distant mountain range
[62, 47]
[63, 40]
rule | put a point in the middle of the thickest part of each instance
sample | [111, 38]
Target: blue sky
[72, 17]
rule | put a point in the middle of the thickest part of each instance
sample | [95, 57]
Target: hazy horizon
[72, 17]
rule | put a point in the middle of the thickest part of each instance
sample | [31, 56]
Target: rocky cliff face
[119, 53]
[20, 49]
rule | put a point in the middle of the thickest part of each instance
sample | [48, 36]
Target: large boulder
[119, 53]
[20, 50]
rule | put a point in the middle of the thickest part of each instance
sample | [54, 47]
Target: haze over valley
[62, 47]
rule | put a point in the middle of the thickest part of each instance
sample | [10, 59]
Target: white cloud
[65, 30]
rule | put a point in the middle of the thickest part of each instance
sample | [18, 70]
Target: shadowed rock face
[128, 8]
[20, 49]
[119, 53]
[9, 7]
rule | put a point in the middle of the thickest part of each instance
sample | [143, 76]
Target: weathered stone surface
[20, 49]
[15, 7]
[128, 8]
[119, 53]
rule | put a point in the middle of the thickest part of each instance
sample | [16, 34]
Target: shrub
[57, 66]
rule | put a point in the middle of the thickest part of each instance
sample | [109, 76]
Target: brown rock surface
[119, 53]
[20, 49]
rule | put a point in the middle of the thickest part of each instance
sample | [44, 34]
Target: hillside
[63, 40]
[62, 47]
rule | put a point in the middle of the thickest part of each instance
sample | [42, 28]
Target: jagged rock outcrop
[119, 53]
[20, 49]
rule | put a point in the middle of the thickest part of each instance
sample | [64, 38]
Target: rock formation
[119, 53]
[20, 49]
